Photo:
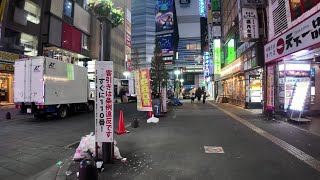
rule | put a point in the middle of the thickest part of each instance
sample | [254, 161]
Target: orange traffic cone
[150, 113]
[121, 128]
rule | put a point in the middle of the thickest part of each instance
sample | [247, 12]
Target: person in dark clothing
[204, 96]
[122, 93]
[198, 94]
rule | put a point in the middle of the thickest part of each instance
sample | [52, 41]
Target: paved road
[174, 149]
[29, 146]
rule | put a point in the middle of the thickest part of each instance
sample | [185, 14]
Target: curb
[61, 174]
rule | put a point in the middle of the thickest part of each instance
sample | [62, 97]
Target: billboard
[165, 42]
[164, 15]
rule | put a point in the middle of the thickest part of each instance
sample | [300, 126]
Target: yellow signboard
[8, 56]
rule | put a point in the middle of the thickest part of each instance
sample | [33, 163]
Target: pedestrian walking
[192, 95]
[198, 94]
[204, 96]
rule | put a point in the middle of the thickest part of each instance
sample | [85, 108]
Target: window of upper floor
[33, 12]
[196, 46]
[68, 8]
[298, 7]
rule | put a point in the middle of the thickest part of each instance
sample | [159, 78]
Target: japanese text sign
[145, 93]
[298, 38]
[248, 25]
[104, 101]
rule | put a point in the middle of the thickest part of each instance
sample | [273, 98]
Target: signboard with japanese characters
[295, 39]
[248, 25]
[145, 93]
[253, 3]
[137, 86]
[104, 101]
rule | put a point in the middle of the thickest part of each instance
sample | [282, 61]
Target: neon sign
[217, 56]
[202, 8]
[206, 67]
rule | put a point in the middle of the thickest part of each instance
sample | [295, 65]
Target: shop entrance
[5, 88]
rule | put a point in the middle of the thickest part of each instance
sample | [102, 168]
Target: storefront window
[296, 9]
[85, 42]
[30, 44]
[68, 7]
[34, 12]
[193, 46]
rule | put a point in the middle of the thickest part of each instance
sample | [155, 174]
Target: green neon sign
[70, 72]
[215, 5]
[231, 51]
[217, 56]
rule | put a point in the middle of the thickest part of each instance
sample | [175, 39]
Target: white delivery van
[44, 86]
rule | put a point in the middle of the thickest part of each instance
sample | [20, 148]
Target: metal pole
[105, 53]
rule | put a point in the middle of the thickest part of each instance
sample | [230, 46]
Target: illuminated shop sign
[206, 67]
[234, 67]
[231, 51]
[217, 56]
[202, 8]
[215, 4]
[299, 96]
[300, 37]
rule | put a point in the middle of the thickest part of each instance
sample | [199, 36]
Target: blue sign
[202, 8]
[207, 67]
[165, 42]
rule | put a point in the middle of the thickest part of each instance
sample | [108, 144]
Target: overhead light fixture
[300, 53]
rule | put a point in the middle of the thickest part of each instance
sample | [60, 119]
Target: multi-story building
[143, 32]
[292, 55]
[189, 43]
[242, 60]
[20, 32]
[66, 30]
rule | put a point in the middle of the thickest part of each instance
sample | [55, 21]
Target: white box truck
[44, 86]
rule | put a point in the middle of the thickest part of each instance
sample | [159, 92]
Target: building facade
[143, 32]
[20, 31]
[242, 60]
[292, 56]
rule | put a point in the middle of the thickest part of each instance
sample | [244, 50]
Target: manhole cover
[213, 149]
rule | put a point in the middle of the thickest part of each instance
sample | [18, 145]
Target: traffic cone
[150, 113]
[121, 128]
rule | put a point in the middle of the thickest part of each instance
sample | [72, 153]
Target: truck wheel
[90, 107]
[63, 112]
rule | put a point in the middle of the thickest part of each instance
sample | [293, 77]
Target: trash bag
[87, 144]
[117, 154]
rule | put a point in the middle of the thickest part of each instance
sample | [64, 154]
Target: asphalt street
[30, 146]
[174, 149]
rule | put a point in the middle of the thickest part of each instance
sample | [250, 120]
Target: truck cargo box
[47, 81]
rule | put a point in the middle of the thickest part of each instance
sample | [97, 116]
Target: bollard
[88, 170]
[134, 123]
[8, 115]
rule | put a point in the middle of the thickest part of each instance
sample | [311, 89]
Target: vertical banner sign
[217, 56]
[248, 24]
[104, 101]
[137, 86]
[204, 34]
[270, 87]
[145, 90]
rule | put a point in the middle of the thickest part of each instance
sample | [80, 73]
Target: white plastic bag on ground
[87, 143]
[153, 120]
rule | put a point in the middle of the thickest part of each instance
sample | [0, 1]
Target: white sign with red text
[104, 108]
[295, 39]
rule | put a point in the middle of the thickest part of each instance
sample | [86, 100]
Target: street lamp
[177, 72]
[126, 74]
